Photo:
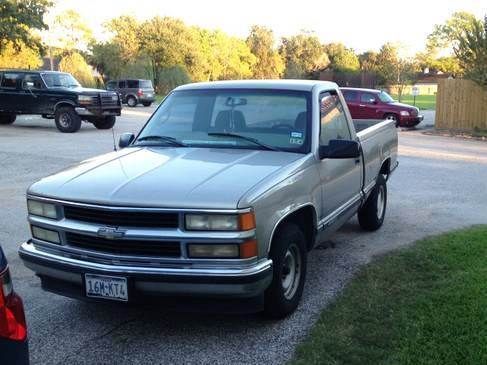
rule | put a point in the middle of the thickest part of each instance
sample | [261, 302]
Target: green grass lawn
[422, 101]
[422, 305]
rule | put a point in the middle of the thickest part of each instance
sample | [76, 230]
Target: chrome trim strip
[369, 187]
[169, 234]
[28, 249]
[333, 215]
[139, 209]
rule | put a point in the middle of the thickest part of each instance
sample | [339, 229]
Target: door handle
[357, 161]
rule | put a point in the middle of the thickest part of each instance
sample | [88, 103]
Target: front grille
[124, 247]
[122, 218]
[107, 101]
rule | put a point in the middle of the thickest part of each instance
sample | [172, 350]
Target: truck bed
[379, 143]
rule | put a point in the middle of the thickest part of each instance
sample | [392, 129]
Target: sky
[362, 25]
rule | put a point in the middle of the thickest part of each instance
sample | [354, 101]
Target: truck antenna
[113, 136]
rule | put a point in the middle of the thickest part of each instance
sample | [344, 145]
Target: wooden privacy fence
[461, 104]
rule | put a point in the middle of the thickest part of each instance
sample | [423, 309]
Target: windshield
[231, 118]
[385, 97]
[59, 80]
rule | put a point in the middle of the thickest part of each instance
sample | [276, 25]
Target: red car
[376, 104]
[14, 348]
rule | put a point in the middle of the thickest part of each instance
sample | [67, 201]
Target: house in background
[427, 84]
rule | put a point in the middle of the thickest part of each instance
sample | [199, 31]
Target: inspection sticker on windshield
[296, 138]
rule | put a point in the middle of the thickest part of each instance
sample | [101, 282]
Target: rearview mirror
[125, 139]
[233, 102]
[340, 148]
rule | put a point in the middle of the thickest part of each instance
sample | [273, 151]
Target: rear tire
[392, 117]
[7, 118]
[147, 103]
[105, 123]
[289, 257]
[131, 101]
[371, 214]
[67, 121]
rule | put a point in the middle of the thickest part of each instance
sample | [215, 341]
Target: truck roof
[38, 71]
[299, 85]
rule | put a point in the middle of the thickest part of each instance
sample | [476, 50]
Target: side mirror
[375, 102]
[125, 139]
[28, 85]
[340, 148]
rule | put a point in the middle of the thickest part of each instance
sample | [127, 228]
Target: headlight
[244, 250]
[220, 222]
[41, 209]
[114, 97]
[45, 234]
[85, 99]
[404, 113]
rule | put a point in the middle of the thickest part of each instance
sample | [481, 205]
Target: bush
[76, 65]
[171, 77]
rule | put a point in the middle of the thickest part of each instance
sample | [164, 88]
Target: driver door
[341, 179]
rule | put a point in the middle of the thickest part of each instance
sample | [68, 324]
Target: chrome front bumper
[248, 281]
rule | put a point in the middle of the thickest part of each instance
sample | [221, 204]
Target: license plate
[106, 287]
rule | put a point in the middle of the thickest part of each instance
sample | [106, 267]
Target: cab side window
[368, 98]
[350, 95]
[132, 84]
[111, 85]
[333, 121]
[34, 80]
[121, 84]
[9, 80]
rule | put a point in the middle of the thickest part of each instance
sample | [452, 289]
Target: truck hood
[82, 90]
[165, 177]
[401, 105]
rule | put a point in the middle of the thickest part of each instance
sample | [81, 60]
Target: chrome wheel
[131, 102]
[391, 117]
[65, 120]
[380, 201]
[291, 271]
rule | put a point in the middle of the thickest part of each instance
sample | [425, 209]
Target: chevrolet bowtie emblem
[111, 233]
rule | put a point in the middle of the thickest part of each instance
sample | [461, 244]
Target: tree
[368, 61]
[167, 42]
[18, 18]
[342, 58]
[471, 52]
[76, 65]
[303, 54]
[447, 35]
[395, 70]
[107, 59]
[126, 30]
[19, 56]
[269, 64]
[69, 32]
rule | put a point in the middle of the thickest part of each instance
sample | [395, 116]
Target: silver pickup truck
[221, 196]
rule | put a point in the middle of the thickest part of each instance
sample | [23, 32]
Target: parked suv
[376, 104]
[58, 96]
[133, 92]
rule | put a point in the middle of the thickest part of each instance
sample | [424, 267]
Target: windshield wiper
[250, 139]
[170, 140]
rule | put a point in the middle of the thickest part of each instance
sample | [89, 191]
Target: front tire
[7, 118]
[105, 123]
[371, 214]
[289, 257]
[67, 121]
[131, 101]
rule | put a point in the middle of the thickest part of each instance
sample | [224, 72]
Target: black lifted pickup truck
[58, 96]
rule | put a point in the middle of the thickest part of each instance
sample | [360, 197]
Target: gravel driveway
[440, 185]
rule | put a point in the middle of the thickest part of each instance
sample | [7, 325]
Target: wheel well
[385, 169]
[63, 104]
[305, 218]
